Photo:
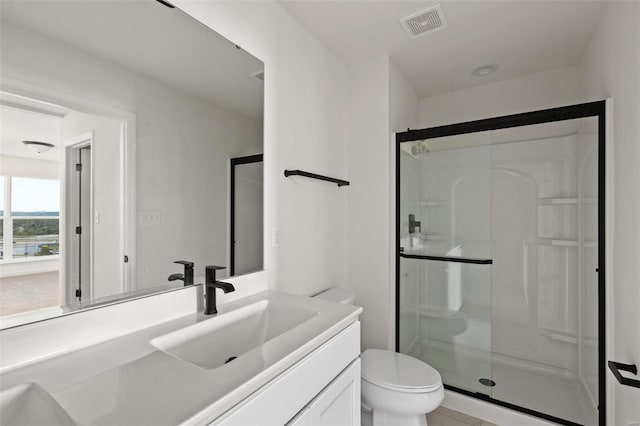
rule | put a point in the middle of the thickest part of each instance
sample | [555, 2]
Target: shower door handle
[615, 368]
[453, 259]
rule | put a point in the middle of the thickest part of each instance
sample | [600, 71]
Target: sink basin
[218, 340]
[31, 405]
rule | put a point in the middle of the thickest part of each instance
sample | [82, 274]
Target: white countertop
[128, 381]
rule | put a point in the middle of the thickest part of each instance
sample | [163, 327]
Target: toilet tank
[338, 295]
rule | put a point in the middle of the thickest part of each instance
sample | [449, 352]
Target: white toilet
[397, 390]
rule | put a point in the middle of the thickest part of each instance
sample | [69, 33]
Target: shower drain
[487, 382]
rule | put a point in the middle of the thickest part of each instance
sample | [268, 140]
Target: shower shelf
[560, 336]
[557, 201]
[427, 204]
[558, 242]
[565, 243]
[434, 203]
[430, 236]
[564, 201]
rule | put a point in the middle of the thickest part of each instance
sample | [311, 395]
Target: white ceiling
[19, 124]
[153, 40]
[522, 37]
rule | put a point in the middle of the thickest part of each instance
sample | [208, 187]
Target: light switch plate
[149, 218]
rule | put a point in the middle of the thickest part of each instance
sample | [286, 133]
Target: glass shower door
[500, 258]
[445, 257]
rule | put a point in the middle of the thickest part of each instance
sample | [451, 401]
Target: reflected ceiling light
[38, 147]
[484, 70]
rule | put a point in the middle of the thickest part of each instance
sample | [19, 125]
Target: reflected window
[33, 220]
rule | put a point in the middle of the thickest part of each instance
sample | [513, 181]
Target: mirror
[127, 130]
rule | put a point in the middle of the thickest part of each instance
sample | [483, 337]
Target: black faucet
[210, 286]
[187, 277]
[413, 224]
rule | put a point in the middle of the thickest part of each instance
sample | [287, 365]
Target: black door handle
[615, 368]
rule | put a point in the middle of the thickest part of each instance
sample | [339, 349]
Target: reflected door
[78, 177]
[246, 215]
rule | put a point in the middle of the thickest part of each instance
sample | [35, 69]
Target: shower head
[420, 148]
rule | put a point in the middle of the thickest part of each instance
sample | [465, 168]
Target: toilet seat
[398, 372]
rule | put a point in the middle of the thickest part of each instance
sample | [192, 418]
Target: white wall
[248, 221]
[29, 167]
[529, 93]
[611, 65]
[403, 102]
[381, 101]
[369, 262]
[183, 147]
[305, 128]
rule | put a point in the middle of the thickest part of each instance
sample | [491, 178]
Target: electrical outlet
[96, 217]
[149, 218]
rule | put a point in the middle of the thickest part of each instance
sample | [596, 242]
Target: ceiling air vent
[424, 22]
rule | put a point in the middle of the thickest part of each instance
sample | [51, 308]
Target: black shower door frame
[591, 109]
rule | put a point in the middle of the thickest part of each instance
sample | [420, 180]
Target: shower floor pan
[518, 382]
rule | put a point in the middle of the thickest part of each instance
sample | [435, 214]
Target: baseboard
[28, 267]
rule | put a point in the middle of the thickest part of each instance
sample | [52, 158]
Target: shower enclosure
[500, 259]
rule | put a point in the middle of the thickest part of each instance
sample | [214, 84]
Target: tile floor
[445, 417]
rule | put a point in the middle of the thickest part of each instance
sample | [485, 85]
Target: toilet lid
[397, 371]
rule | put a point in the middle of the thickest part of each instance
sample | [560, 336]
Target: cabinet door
[339, 403]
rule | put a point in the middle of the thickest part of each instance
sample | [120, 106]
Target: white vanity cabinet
[339, 402]
[321, 389]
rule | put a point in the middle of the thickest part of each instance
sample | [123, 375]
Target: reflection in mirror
[246, 214]
[122, 122]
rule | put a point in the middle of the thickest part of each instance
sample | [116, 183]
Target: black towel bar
[615, 368]
[339, 182]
